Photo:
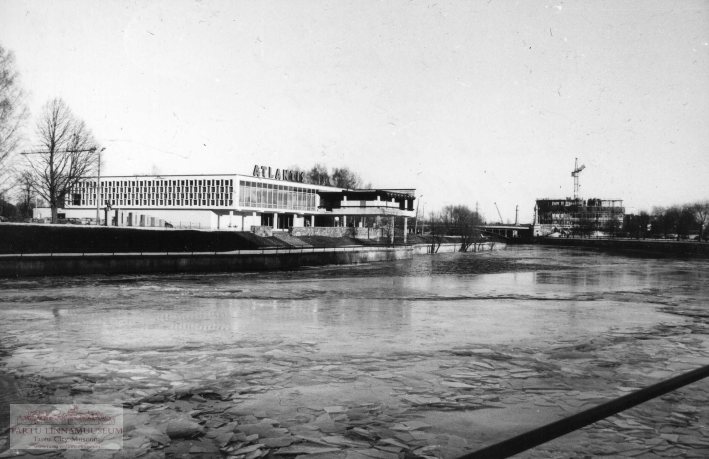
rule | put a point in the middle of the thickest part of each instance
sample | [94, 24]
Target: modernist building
[577, 216]
[238, 202]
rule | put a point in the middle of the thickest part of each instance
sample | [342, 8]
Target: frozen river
[433, 356]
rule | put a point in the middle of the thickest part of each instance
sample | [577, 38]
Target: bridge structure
[512, 233]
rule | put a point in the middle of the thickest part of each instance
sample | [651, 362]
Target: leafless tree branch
[13, 114]
[70, 155]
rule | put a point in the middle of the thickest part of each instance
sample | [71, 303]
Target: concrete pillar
[275, 220]
[312, 220]
[406, 227]
[344, 220]
[242, 222]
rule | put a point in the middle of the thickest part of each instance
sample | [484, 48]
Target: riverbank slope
[649, 247]
[39, 250]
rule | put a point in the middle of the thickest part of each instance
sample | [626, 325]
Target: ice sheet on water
[377, 335]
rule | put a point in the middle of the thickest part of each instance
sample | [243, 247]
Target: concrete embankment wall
[65, 264]
[244, 260]
[636, 246]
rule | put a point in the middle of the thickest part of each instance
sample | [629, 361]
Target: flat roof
[399, 192]
[576, 200]
[197, 176]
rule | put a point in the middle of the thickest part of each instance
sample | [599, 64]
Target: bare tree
[70, 153]
[636, 225]
[13, 114]
[680, 219]
[26, 193]
[701, 215]
[435, 232]
[345, 178]
[318, 175]
[461, 221]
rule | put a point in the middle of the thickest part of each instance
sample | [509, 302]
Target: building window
[256, 194]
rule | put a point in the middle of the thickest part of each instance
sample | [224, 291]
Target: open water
[474, 347]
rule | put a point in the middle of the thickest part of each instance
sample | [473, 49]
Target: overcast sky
[470, 101]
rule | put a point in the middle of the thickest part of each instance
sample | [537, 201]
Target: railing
[556, 429]
[620, 238]
[261, 251]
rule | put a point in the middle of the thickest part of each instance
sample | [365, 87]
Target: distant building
[578, 216]
[267, 198]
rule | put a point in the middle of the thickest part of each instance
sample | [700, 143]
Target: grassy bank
[19, 238]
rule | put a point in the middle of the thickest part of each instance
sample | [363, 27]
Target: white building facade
[226, 202]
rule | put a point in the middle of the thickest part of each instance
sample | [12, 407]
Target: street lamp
[98, 188]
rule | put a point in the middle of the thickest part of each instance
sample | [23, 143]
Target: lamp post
[98, 188]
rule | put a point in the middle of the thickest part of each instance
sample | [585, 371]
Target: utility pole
[516, 213]
[416, 223]
[423, 219]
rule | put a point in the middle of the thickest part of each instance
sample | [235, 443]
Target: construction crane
[498, 213]
[575, 174]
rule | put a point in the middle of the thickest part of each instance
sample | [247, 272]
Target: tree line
[341, 177]
[674, 222]
[66, 149]
[454, 220]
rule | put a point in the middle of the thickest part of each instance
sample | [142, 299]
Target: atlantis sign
[285, 174]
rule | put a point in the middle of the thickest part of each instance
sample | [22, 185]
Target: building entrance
[285, 221]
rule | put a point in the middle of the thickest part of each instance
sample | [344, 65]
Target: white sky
[470, 101]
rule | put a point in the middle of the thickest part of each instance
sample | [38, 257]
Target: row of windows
[581, 215]
[120, 189]
[276, 196]
[182, 192]
[193, 192]
[77, 201]
[549, 218]
[163, 182]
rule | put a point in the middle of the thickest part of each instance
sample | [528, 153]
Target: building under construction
[576, 216]
[571, 216]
